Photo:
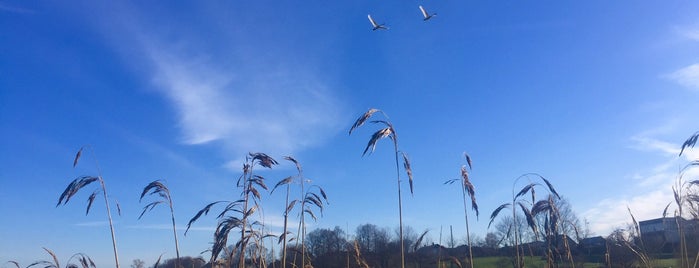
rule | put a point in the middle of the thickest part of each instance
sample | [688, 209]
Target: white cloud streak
[688, 32]
[612, 213]
[92, 224]
[649, 191]
[168, 227]
[649, 144]
[687, 76]
[14, 9]
[279, 111]
[233, 95]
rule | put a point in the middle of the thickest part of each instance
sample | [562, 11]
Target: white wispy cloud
[14, 9]
[687, 76]
[92, 224]
[168, 227]
[650, 188]
[692, 34]
[688, 32]
[612, 212]
[644, 143]
[280, 111]
[232, 96]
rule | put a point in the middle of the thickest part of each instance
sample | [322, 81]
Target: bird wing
[373, 23]
[424, 13]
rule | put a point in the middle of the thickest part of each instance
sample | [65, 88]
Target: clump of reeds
[82, 182]
[243, 209]
[83, 260]
[638, 247]
[158, 188]
[686, 194]
[308, 199]
[388, 131]
[531, 210]
[467, 188]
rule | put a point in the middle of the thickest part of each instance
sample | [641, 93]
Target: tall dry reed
[467, 188]
[158, 188]
[526, 208]
[84, 181]
[308, 199]
[388, 131]
[242, 209]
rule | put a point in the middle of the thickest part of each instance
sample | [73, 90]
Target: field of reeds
[532, 228]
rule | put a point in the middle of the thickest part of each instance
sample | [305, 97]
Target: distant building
[666, 228]
[591, 242]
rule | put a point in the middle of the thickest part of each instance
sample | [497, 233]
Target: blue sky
[596, 96]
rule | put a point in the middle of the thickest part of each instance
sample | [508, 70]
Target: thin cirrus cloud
[249, 107]
[687, 76]
[234, 95]
[651, 188]
[15, 9]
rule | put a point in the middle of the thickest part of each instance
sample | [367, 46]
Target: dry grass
[530, 210]
[467, 188]
[81, 182]
[158, 188]
[244, 208]
[388, 131]
[307, 200]
[358, 256]
[83, 261]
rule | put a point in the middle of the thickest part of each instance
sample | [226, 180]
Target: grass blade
[380, 134]
[530, 219]
[77, 157]
[496, 212]
[455, 261]
[282, 182]
[296, 162]
[551, 187]
[158, 261]
[53, 255]
[74, 187]
[524, 190]
[201, 212]
[360, 121]
[468, 160]
[419, 240]
[89, 201]
[690, 142]
[263, 159]
[408, 170]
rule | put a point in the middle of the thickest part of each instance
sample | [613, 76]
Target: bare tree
[326, 241]
[138, 263]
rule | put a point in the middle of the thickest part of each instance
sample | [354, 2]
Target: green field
[537, 262]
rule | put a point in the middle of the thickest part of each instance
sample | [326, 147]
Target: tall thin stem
[400, 202]
[174, 231]
[106, 202]
[388, 131]
[111, 225]
[303, 222]
[247, 184]
[439, 251]
[515, 226]
[468, 232]
[286, 220]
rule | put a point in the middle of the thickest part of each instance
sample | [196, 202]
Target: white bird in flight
[425, 15]
[376, 25]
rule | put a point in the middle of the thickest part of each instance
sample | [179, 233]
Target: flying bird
[376, 25]
[425, 15]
